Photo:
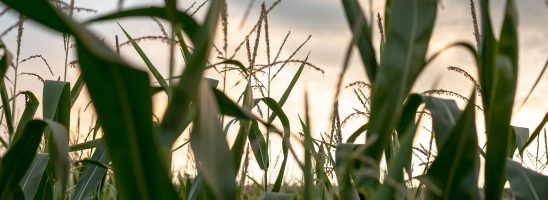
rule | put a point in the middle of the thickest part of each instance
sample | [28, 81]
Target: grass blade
[151, 67]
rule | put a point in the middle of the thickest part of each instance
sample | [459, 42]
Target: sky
[330, 35]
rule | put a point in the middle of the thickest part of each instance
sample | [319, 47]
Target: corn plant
[131, 159]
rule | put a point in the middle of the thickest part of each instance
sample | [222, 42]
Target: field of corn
[241, 146]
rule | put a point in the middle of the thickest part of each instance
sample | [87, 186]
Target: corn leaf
[403, 59]
[92, 175]
[455, 171]
[30, 183]
[526, 183]
[358, 24]
[20, 156]
[501, 101]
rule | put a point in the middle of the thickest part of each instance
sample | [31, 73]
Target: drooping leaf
[518, 139]
[258, 146]
[31, 105]
[526, 183]
[277, 109]
[455, 171]
[19, 157]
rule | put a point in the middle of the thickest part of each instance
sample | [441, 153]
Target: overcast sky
[324, 21]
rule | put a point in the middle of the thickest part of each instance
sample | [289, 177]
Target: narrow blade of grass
[148, 63]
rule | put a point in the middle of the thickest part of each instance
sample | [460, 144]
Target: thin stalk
[19, 37]
[267, 40]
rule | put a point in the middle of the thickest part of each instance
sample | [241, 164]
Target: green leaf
[92, 175]
[346, 156]
[258, 146]
[445, 114]
[288, 90]
[122, 99]
[186, 90]
[86, 145]
[57, 102]
[519, 138]
[393, 183]
[147, 61]
[454, 174]
[238, 147]
[210, 147]
[526, 183]
[309, 191]
[277, 110]
[19, 157]
[121, 96]
[357, 133]
[76, 89]
[4, 65]
[358, 25]
[500, 104]
[403, 58]
[31, 180]
[31, 105]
